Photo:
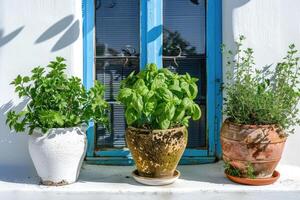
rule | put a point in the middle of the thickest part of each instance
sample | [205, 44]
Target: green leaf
[131, 116]
[125, 94]
[170, 110]
[18, 80]
[187, 103]
[193, 90]
[150, 106]
[151, 67]
[164, 93]
[164, 123]
[185, 121]
[186, 89]
[158, 81]
[137, 102]
[58, 118]
[179, 114]
[196, 111]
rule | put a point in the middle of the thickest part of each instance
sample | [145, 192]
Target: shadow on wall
[228, 28]
[228, 25]
[7, 38]
[69, 37]
[10, 143]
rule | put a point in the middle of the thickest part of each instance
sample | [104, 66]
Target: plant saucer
[155, 181]
[256, 181]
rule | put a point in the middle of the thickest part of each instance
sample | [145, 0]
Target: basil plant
[56, 101]
[159, 99]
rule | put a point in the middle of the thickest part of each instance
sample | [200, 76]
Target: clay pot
[260, 146]
[156, 152]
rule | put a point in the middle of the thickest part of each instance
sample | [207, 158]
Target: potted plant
[260, 106]
[55, 117]
[158, 107]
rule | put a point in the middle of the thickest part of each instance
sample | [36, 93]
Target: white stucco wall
[30, 30]
[32, 33]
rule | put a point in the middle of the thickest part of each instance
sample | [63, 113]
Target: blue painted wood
[219, 77]
[130, 161]
[88, 61]
[109, 161]
[214, 74]
[126, 153]
[113, 153]
[195, 152]
[151, 52]
[151, 32]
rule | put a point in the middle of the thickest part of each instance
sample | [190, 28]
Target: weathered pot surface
[258, 146]
[58, 154]
[156, 152]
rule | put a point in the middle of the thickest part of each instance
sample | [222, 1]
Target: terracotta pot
[256, 181]
[260, 146]
[156, 152]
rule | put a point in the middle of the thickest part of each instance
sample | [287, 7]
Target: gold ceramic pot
[156, 152]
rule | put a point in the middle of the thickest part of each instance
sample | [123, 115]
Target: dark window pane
[116, 137]
[184, 35]
[184, 26]
[117, 55]
[117, 26]
[112, 71]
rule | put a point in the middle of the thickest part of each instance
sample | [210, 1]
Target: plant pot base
[51, 183]
[255, 182]
[155, 181]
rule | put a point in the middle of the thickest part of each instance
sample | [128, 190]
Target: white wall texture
[32, 32]
[57, 25]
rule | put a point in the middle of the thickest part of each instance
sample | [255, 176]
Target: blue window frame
[151, 44]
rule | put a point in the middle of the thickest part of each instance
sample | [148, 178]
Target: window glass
[184, 52]
[117, 55]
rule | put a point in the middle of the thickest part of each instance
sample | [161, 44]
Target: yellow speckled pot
[156, 152]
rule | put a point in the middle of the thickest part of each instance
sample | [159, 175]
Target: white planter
[58, 155]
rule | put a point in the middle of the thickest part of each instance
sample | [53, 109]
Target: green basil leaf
[131, 116]
[196, 112]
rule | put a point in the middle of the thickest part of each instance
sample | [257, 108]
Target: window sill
[114, 182]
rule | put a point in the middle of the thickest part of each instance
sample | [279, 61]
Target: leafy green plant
[159, 99]
[250, 171]
[262, 96]
[56, 101]
[234, 171]
[231, 170]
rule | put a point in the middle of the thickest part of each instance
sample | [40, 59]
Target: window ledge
[114, 182]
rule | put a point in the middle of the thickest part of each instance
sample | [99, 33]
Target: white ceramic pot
[58, 154]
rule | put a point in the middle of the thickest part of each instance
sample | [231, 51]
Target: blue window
[121, 36]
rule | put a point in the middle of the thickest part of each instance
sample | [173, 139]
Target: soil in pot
[257, 146]
[156, 152]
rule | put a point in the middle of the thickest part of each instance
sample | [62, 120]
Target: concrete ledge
[114, 182]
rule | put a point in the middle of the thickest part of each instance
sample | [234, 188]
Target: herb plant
[56, 101]
[159, 99]
[262, 96]
[234, 171]
[231, 170]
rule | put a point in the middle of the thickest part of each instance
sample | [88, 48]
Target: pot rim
[155, 130]
[227, 120]
[83, 128]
